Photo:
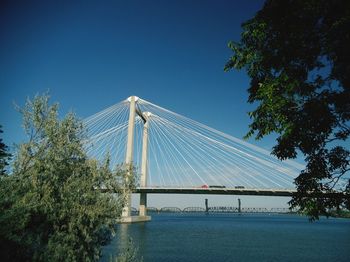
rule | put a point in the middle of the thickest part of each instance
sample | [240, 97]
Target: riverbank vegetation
[50, 205]
[340, 213]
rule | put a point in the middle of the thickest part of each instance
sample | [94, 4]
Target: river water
[235, 237]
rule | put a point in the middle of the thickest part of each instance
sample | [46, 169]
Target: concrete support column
[143, 182]
[129, 154]
[143, 205]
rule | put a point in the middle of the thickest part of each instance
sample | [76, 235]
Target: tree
[51, 205]
[296, 53]
[4, 156]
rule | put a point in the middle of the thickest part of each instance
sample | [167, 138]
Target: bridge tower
[144, 162]
[126, 213]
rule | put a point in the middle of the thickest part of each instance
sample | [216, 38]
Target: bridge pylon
[126, 213]
[144, 167]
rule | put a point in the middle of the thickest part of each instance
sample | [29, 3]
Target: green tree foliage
[4, 156]
[296, 53]
[51, 208]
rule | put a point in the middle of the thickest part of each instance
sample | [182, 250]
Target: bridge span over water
[182, 156]
[216, 191]
[213, 209]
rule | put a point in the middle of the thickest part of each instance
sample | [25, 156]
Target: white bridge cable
[156, 148]
[167, 114]
[114, 119]
[106, 134]
[174, 154]
[212, 159]
[100, 114]
[277, 169]
[183, 152]
[204, 160]
[222, 143]
[186, 146]
[97, 122]
[208, 151]
[155, 171]
[189, 150]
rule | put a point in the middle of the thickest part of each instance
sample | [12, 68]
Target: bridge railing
[215, 209]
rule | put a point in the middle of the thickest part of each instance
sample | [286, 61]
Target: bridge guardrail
[215, 209]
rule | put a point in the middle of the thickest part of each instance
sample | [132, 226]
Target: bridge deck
[215, 191]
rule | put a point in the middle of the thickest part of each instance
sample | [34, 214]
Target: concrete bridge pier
[144, 167]
[126, 213]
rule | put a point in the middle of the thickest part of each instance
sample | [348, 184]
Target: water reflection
[128, 236]
[142, 238]
[118, 244]
[123, 237]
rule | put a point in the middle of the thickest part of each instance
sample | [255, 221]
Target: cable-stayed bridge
[174, 154]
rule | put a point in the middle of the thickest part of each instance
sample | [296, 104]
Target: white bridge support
[126, 213]
[184, 156]
[144, 167]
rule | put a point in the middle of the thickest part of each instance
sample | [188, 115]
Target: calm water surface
[234, 237]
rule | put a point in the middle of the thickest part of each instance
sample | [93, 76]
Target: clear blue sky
[91, 54]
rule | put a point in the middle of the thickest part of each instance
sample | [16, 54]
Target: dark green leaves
[4, 156]
[297, 56]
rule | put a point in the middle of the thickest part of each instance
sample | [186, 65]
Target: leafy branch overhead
[297, 56]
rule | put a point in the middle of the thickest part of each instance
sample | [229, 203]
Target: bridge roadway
[215, 191]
